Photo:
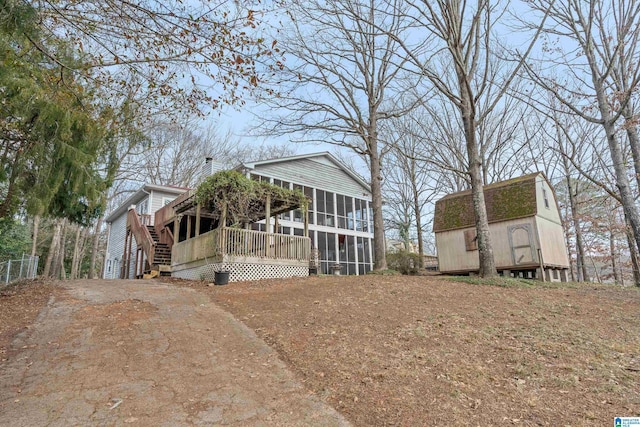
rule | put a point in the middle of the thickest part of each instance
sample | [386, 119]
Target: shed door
[520, 238]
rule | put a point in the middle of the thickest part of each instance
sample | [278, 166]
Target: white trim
[140, 194]
[356, 177]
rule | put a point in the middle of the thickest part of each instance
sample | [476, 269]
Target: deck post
[198, 207]
[221, 226]
[188, 227]
[176, 229]
[129, 255]
[267, 213]
[306, 223]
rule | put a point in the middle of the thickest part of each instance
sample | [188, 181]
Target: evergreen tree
[53, 141]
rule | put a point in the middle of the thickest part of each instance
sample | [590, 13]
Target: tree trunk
[58, 265]
[567, 241]
[76, 255]
[622, 180]
[634, 141]
[53, 248]
[94, 249]
[36, 229]
[614, 262]
[485, 248]
[417, 209]
[581, 267]
[376, 203]
[633, 253]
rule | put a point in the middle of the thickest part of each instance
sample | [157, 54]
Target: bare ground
[388, 350]
[150, 354]
[382, 350]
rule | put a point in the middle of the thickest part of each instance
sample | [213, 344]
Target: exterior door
[520, 239]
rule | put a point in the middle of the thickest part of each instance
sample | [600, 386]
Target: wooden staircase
[162, 253]
[158, 255]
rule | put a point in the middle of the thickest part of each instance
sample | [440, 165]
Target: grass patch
[503, 282]
[516, 282]
[385, 272]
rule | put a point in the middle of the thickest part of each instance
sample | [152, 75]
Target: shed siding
[551, 213]
[315, 173]
[554, 250]
[453, 256]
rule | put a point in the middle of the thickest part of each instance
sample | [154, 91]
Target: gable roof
[505, 200]
[140, 194]
[331, 157]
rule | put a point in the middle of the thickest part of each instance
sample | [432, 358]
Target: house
[338, 225]
[524, 222]
[147, 200]
[340, 212]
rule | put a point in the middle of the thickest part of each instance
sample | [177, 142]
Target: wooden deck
[237, 245]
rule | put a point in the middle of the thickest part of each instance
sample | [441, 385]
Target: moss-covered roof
[505, 200]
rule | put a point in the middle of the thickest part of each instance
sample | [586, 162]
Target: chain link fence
[25, 268]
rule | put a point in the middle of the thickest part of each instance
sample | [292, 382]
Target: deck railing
[239, 242]
[141, 233]
[235, 242]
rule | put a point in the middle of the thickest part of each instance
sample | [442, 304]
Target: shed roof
[505, 200]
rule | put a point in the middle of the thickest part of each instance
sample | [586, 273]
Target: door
[520, 239]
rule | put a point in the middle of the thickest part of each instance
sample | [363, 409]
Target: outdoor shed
[525, 226]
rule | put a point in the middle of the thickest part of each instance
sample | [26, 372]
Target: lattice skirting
[241, 271]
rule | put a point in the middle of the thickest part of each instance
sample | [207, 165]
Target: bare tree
[570, 141]
[410, 182]
[189, 56]
[342, 82]
[462, 35]
[599, 32]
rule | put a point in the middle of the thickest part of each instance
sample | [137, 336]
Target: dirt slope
[146, 353]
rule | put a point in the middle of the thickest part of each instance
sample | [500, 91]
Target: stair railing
[142, 235]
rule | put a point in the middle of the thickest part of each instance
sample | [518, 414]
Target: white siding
[157, 198]
[115, 246]
[322, 174]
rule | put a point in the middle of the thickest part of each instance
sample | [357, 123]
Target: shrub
[406, 263]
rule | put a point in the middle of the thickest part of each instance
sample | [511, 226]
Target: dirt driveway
[147, 353]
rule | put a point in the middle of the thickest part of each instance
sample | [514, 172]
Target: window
[143, 207]
[308, 191]
[470, 240]
[283, 184]
[362, 220]
[284, 230]
[347, 252]
[327, 249]
[325, 208]
[364, 256]
[345, 212]
[545, 197]
[297, 214]
[258, 227]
